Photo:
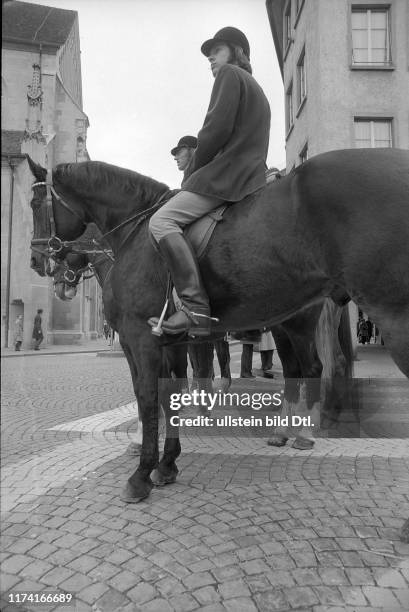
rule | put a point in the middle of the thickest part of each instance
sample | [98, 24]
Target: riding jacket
[230, 159]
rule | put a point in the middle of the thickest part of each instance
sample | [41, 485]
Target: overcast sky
[146, 83]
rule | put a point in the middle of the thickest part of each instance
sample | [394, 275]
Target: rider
[183, 152]
[228, 164]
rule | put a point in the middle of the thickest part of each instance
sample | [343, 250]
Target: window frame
[304, 151]
[287, 29]
[372, 7]
[289, 108]
[301, 79]
[372, 120]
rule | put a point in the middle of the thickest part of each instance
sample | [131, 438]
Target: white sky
[146, 83]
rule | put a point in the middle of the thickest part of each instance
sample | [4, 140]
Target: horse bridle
[54, 243]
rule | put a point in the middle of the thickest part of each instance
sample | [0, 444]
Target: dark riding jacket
[230, 160]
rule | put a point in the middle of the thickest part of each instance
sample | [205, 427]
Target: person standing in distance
[37, 335]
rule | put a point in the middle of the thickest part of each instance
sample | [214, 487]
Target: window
[304, 153]
[301, 79]
[373, 133]
[287, 26]
[371, 37]
[289, 107]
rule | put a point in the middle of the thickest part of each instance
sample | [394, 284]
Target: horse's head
[56, 217]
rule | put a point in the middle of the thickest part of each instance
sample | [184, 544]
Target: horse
[328, 229]
[300, 330]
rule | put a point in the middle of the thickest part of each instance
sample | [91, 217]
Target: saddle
[200, 232]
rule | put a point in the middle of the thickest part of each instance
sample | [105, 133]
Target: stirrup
[157, 326]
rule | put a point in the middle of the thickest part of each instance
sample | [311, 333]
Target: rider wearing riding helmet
[228, 164]
[183, 152]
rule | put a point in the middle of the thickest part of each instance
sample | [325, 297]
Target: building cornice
[22, 44]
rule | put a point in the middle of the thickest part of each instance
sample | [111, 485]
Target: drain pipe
[7, 317]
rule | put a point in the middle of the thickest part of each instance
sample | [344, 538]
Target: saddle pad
[200, 232]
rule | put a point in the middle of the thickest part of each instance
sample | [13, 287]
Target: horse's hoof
[160, 480]
[404, 532]
[131, 495]
[303, 444]
[134, 449]
[277, 441]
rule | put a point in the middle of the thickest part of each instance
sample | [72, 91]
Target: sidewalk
[374, 361]
[90, 346]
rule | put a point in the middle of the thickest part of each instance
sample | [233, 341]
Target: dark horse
[83, 257]
[303, 342]
[337, 226]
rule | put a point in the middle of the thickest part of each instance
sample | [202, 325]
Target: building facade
[345, 73]
[42, 116]
[345, 68]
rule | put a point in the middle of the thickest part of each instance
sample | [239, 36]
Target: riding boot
[194, 315]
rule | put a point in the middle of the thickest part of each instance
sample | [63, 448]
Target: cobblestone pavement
[247, 527]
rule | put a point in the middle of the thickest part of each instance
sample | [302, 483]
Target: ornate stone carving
[34, 91]
[34, 129]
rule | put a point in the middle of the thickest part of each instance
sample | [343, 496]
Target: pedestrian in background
[248, 339]
[38, 336]
[266, 348]
[363, 336]
[106, 329]
[18, 332]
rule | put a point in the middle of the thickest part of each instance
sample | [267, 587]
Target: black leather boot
[194, 316]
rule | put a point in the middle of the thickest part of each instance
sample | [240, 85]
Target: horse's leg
[301, 332]
[292, 375]
[223, 357]
[134, 448]
[334, 346]
[173, 378]
[147, 355]
[204, 353]
[192, 350]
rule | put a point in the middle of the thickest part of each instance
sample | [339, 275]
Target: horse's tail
[345, 341]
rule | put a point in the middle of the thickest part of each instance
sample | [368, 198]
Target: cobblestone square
[245, 527]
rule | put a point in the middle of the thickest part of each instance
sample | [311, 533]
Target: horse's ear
[38, 171]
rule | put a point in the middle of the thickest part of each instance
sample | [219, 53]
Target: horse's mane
[94, 177]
